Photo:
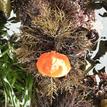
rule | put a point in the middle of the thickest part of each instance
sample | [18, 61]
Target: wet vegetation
[60, 25]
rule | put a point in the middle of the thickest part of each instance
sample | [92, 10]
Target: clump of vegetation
[15, 83]
[53, 22]
[53, 29]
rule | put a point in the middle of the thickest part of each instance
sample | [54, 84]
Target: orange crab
[53, 64]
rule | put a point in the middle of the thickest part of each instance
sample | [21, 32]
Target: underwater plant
[44, 60]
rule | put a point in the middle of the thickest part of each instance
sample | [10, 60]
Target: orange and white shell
[53, 64]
